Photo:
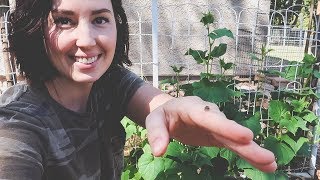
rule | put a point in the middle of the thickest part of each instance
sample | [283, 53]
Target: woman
[65, 122]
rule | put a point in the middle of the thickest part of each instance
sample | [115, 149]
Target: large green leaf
[169, 164]
[256, 174]
[200, 160]
[219, 50]
[171, 170]
[228, 155]
[299, 105]
[125, 175]
[295, 146]
[178, 152]
[210, 151]
[198, 55]
[216, 92]
[150, 166]
[218, 33]
[130, 130]
[310, 116]
[305, 150]
[278, 110]
[292, 71]
[282, 151]
[224, 65]
[290, 124]
[147, 149]
[302, 124]
[309, 59]
[253, 123]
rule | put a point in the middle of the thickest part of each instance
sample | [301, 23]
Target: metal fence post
[155, 35]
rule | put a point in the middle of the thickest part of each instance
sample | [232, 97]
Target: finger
[263, 159]
[158, 135]
[268, 168]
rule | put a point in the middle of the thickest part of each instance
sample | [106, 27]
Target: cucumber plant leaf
[230, 156]
[309, 59]
[299, 105]
[290, 124]
[295, 145]
[279, 110]
[198, 55]
[218, 33]
[150, 166]
[310, 116]
[209, 151]
[253, 123]
[216, 92]
[178, 152]
[301, 123]
[219, 50]
[292, 71]
[284, 154]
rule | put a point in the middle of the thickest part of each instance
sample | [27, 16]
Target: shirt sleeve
[20, 147]
[128, 85]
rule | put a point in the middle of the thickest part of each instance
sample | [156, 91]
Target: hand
[193, 121]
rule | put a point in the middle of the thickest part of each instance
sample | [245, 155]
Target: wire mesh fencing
[179, 28]
[253, 26]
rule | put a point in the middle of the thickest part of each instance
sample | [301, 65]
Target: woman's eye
[62, 21]
[101, 20]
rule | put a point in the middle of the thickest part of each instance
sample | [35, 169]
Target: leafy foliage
[289, 116]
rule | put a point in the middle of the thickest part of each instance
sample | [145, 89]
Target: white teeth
[87, 60]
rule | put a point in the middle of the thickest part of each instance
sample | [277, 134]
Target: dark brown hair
[27, 44]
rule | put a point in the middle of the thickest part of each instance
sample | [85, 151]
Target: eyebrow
[68, 12]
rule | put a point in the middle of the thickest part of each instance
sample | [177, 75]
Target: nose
[85, 35]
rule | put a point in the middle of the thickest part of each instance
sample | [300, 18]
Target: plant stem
[178, 84]
[209, 55]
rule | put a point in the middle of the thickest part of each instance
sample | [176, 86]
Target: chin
[86, 79]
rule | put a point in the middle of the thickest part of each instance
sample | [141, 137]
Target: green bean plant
[286, 132]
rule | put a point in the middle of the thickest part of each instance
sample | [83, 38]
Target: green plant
[174, 81]
[291, 114]
[287, 134]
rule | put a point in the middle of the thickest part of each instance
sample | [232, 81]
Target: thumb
[158, 135]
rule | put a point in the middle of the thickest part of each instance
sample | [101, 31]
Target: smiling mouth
[86, 60]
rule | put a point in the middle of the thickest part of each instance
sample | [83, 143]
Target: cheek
[108, 42]
[58, 41]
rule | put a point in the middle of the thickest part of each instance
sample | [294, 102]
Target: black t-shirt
[40, 139]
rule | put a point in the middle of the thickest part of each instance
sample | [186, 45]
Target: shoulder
[12, 94]
[23, 104]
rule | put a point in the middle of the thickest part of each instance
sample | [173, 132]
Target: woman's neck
[70, 94]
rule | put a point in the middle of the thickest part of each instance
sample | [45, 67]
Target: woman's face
[81, 38]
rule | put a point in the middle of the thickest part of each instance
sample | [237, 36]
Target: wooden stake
[306, 48]
[5, 55]
[318, 8]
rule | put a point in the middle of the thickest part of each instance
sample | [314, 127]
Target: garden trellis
[176, 27]
[161, 32]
